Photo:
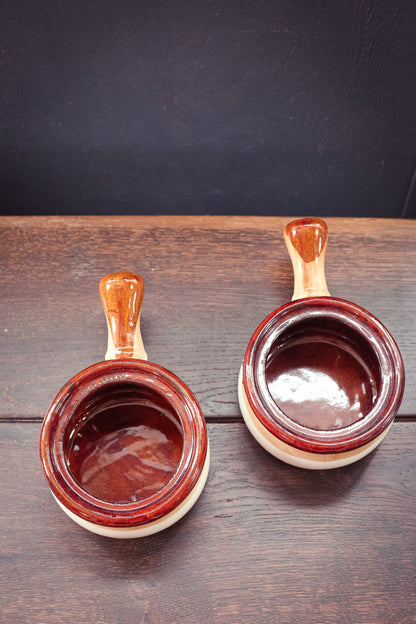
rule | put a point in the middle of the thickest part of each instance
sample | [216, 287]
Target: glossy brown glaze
[362, 335]
[321, 374]
[124, 442]
[69, 412]
[306, 241]
[127, 448]
[122, 297]
[308, 237]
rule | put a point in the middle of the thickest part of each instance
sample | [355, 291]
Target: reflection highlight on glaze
[320, 385]
[125, 453]
[295, 387]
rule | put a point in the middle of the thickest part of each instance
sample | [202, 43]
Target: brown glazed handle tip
[306, 243]
[122, 298]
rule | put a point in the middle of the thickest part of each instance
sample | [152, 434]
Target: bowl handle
[306, 243]
[122, 298]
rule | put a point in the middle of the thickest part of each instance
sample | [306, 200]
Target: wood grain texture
[209, 282]
[266, 542]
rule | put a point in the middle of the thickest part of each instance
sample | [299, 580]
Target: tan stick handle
[306, 243]
[122, 298]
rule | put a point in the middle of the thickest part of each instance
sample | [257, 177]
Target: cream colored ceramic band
[139, 352]
[292, 455]
[151, 527]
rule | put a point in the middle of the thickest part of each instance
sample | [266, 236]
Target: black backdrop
[205, 107]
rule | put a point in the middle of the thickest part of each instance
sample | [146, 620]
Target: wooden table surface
[266, 542]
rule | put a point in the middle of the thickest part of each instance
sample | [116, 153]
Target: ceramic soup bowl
[322, 379]
[124, 444]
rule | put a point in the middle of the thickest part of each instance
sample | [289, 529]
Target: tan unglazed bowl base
[292, 455]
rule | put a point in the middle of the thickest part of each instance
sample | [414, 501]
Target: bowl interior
[322, 374]
[123, 443]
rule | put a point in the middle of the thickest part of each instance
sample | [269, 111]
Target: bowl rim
[360, 321]
[58, 418]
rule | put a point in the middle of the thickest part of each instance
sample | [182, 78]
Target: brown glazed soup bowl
[322, 379]
[124, 445]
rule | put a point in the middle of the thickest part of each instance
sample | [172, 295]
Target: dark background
[252, 107]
